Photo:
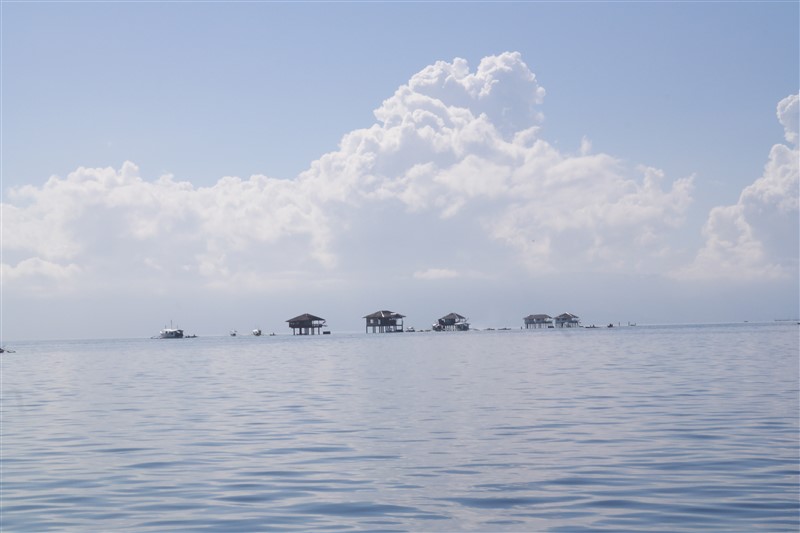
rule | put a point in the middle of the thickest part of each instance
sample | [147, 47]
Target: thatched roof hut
[451, 322]
[384, 322]
[538, 321]
[567, 320]
[306, 324]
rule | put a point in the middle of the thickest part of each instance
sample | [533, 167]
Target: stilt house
[451, 322]
[538, 321]
[384, 322]
[306, 324]
[567, 320]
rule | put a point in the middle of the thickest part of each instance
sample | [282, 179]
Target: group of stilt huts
[392, 322]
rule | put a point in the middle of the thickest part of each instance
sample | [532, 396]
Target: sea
[645, 428]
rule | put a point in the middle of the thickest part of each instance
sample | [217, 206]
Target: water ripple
[640, 429]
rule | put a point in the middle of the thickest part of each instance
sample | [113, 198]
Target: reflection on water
[630, 429]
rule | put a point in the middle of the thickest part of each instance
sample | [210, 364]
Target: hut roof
[385, 314]
[567, 316]
[453, 316]
[537, 317]
[304, 317]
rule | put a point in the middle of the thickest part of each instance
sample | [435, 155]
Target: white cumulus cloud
[757, 238]
[454, 171]
[30, 270]
[117, 226]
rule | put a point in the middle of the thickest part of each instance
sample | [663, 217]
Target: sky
[232, 165]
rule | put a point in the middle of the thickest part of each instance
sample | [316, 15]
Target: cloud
[757, 238]
[436, 274]
[502, 88]
[39, 268]
[444, 145]
[788, 116]
[454, 171]
[117, 225]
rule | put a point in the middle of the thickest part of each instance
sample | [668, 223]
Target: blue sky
[200, 91]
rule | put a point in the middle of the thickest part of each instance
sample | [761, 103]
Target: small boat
[257, 332]
[233, 333]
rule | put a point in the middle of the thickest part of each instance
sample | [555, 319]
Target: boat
[257, 332]
[170, 333]
[233, 333]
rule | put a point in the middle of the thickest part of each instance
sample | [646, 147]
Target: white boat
[257, 332]
[233, 333]
[170, 333]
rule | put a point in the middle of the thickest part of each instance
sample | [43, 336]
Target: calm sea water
[631, 429]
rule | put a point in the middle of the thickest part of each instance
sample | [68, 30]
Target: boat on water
[170, 333]
[233, 333]
[257, 332]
